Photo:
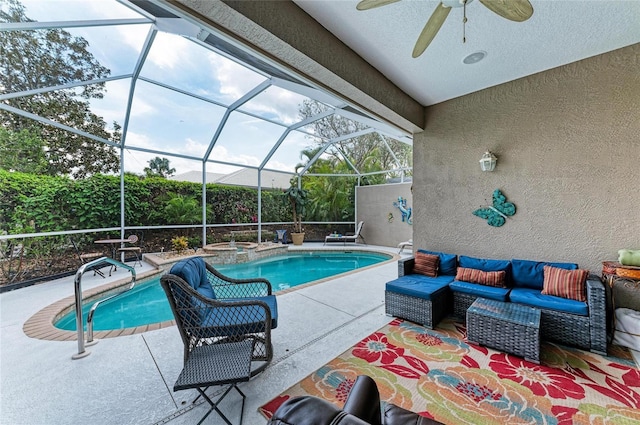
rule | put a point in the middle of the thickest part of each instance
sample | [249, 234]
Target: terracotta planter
[297, 238]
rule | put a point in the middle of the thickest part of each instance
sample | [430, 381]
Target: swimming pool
[147, 302]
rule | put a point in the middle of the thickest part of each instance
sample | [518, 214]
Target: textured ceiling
[559, 32]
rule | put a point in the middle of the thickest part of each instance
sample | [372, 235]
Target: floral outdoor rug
[437, 374]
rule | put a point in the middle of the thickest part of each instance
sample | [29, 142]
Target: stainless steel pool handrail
[78, 295]
[97, 303]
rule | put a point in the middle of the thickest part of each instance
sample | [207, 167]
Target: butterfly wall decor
[497, 213]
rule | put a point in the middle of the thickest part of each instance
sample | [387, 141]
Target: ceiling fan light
[455, 3]
[474, 57]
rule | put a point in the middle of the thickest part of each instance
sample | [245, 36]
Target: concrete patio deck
[129, 379]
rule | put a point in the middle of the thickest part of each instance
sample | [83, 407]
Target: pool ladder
[78, 291]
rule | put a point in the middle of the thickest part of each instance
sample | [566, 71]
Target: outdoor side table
[508, 327]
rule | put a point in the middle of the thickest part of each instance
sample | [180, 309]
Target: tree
[44, 58]
[297, 198]
[367, 153]
[332, 197]
[23, 151]
[182, 209]
[159, 167]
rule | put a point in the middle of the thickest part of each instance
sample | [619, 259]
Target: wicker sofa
[571, 322]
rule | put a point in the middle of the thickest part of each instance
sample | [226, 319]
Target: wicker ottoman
[508, 327]
[418, 298]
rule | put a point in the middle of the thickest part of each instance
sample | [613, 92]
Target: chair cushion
[490, 292]
[530, 274]
[565, 283]
[480, 277]
[240, 320]
[426, 264]
[448, 262]
[194, 272]
[534, 298]
[419, 286]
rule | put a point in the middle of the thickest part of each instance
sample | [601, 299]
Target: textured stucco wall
[568, 148]
[373, 205]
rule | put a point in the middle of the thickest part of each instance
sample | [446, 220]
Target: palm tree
[159, 167]
[181, 209]
[297, 198]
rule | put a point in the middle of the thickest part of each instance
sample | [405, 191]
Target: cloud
[136, 161]
[169, 51]
[280, 104]
[163, 119]
[220, 153]
[235, 80]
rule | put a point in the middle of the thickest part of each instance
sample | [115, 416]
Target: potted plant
[297, 198]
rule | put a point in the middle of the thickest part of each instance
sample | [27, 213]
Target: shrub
[180, 244]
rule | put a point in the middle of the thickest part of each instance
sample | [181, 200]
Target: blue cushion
[530, 274]
[417, 285]
[448, 262]
[194, 272]
[484, 264]
[236, 320]
[534, 298]
[488, 265]
[490, 292]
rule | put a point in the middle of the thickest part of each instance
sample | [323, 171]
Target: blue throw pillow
[194, 272]
[448, 262]
[530, 274]
[485, 264]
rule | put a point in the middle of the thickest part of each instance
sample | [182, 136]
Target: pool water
[147, 302]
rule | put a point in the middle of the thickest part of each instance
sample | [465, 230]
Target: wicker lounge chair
[225, 325]
[347, 238]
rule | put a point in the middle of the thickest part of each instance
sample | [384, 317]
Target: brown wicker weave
[235, 298]
[227, 340]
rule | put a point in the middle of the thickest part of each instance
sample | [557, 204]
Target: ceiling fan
[514, 10]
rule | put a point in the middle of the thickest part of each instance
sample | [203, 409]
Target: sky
[167, 120]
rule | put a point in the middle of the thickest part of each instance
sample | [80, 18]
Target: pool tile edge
[40, 325]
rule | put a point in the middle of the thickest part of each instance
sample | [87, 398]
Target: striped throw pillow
[426, 264]
[481, 277]
[565, 283]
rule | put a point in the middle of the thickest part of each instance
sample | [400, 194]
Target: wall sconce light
[488, 161]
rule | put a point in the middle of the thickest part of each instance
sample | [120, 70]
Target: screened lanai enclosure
[115, 89]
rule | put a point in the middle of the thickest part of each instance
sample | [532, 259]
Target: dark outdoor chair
[225, 325]
[136, 250]
[88, 257]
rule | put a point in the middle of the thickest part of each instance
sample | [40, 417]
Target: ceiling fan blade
[431, 29]
[513, 10]
[371, 4]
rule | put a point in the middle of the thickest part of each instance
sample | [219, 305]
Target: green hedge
[44, 204]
